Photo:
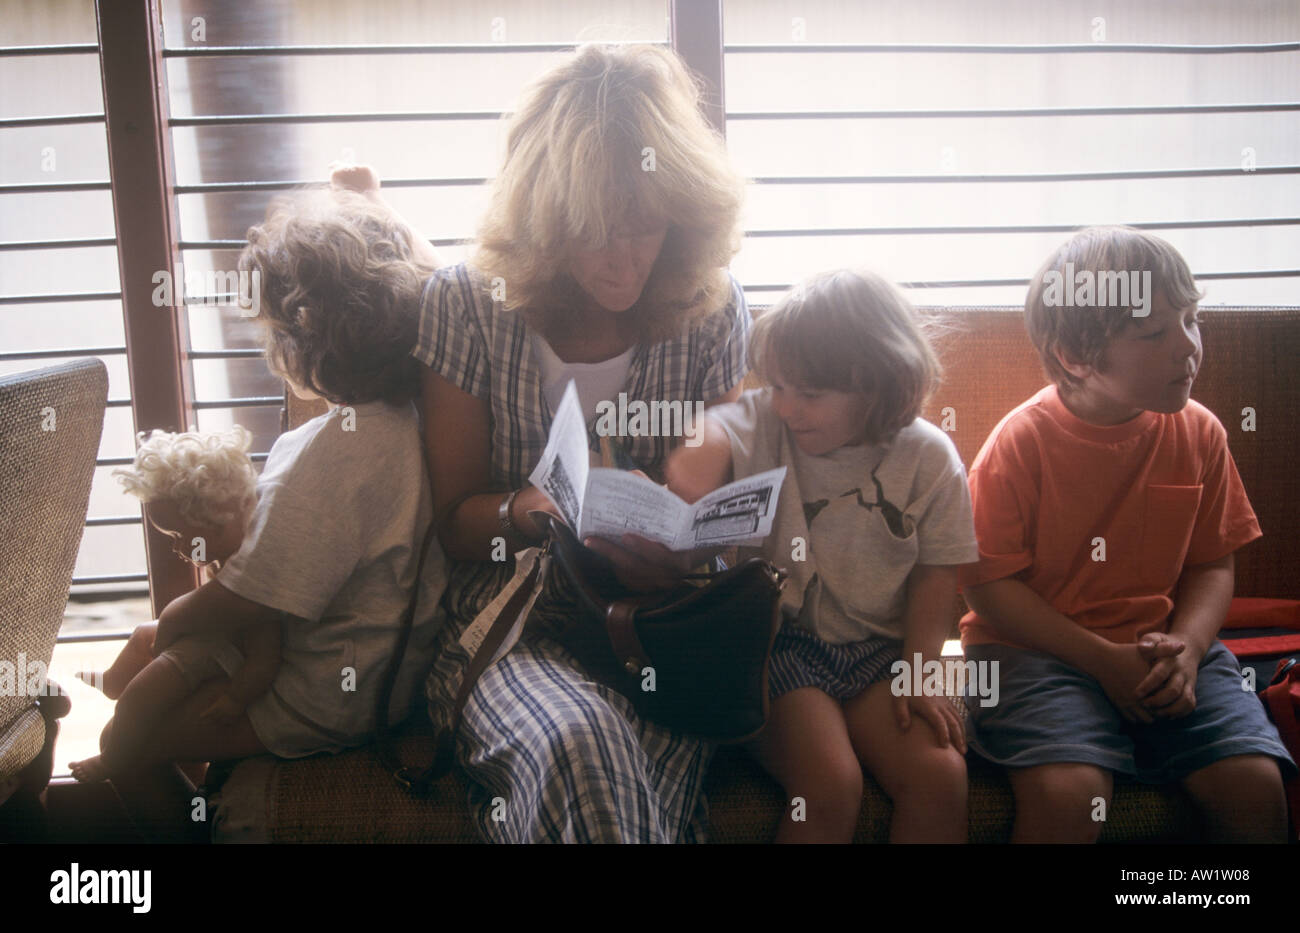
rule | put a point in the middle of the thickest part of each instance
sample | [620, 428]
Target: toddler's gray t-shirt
[860, 517]
[342, 507]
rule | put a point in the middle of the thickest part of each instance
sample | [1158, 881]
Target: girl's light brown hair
[850, 331]
[1083, 332]
[613, 135]
[340, 293]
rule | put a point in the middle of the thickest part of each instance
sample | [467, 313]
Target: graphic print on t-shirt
[892, 514]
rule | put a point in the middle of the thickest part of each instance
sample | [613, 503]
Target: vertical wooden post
[139, 161]
[695, 30]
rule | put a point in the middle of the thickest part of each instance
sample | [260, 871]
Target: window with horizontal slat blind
[953, 145]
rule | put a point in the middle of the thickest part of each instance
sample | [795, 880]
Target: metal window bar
[287, 185]
[1018, 228]
[987, 112]
[56, 187]
[80, 48]
[58, 244]
[989, 283]
[9, 123]
[57, 298]
[451, 48]
[1085, 48]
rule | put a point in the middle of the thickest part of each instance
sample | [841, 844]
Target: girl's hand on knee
[939, 713]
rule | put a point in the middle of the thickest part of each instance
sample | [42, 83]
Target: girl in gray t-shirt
[872, 521]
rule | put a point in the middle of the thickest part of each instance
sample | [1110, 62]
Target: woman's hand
[531, 499]
[642, 565]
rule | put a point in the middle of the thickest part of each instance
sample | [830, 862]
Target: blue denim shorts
[1049, 712]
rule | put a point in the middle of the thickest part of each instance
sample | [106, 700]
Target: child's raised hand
[225, 709]
[939, 712]
[351, 177]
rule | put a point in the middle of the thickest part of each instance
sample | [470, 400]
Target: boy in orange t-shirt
[1107, 509]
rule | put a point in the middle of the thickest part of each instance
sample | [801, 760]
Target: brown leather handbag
[694, 658]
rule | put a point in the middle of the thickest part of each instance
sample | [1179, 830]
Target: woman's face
[615, 275]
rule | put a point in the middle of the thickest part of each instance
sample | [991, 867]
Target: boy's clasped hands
[1152, 679]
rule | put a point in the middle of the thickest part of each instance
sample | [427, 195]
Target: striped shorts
[801, 659]
[554, 755]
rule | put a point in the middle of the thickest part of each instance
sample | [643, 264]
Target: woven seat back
[50, 425]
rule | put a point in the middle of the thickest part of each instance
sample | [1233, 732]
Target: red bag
[1282, 700]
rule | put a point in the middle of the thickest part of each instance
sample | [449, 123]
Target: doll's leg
[925, 782]
[131, 660]
[806, 747]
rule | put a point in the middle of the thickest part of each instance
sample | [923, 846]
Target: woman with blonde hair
[602, 259]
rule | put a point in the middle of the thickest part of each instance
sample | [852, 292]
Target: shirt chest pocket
[1169, 515]
[879, 573]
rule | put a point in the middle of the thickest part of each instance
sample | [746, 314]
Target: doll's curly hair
[208, 475]
[339, 295]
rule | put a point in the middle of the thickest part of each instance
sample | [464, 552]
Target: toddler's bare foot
[90, 770]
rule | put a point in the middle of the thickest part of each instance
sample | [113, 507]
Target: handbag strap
[419, 781]
[384, 746]
[620, 623]
[445, 743]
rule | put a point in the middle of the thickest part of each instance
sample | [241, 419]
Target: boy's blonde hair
[1084, 332]
[612, 134]
[340, 295]
[851, 331]
[208, 476]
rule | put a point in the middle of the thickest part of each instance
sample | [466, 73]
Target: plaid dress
[553, 752]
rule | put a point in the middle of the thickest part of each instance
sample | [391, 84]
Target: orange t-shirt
[1053, 494]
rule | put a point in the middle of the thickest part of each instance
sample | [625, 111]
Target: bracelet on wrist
[506, 519]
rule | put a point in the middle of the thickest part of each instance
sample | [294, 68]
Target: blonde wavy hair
[613, 133]
[208, 475]
[340, 293]
[851, 330]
